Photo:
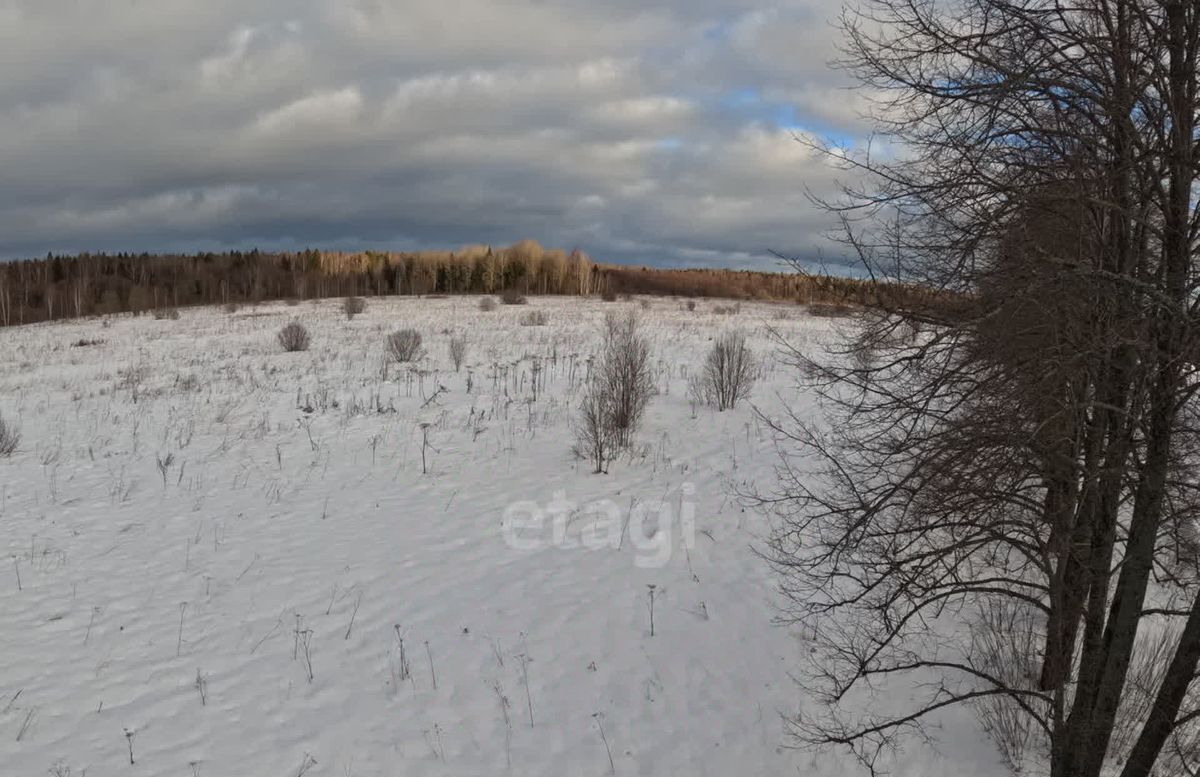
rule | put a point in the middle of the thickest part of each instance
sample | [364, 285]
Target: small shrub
[608, 296]
[352, 306]
[10, 437]
[487, 304]
[728, 373]
[727, 310]
[458, 351]
[533, 318]
[294, 337]
[231, 307]
[644, 303]
[691, 304]
[404, 345]
[512, 297]
[166, 314]
[87, 343]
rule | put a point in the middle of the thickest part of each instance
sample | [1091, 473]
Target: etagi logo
[562, 523]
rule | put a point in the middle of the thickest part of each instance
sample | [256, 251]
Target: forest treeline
[95, 284]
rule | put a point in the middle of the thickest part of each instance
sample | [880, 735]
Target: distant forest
[97, 284]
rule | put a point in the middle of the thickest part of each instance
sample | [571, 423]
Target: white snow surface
[189, 505]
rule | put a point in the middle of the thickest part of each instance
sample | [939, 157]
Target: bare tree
[728, 373]
[1014, 450]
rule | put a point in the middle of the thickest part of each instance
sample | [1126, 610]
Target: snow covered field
[228, 560]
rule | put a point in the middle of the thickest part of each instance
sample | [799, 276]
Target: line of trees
[89, 284]
[96, 284]
[1005, 513]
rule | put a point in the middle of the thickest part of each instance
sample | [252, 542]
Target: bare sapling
[728, 373]
[595, 438]
[623, 375]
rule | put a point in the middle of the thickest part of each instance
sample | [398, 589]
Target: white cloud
[312, 115]
[177, 124]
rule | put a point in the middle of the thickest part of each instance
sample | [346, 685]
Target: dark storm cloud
[662, 134]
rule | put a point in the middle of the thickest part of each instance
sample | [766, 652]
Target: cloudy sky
[651, 132]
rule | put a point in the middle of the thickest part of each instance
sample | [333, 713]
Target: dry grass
[10, 438]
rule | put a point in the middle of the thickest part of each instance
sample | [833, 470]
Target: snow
[190, 505]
